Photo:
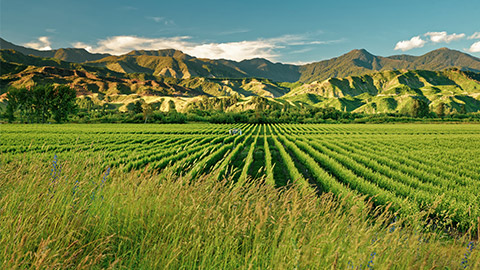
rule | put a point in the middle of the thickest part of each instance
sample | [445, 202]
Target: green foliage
[86, 104]
[137, 107]
[249, 159]
[268, 160]
[419, 108]
[41, 102]
[62, 103]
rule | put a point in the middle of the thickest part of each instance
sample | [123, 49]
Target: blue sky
[284, 31]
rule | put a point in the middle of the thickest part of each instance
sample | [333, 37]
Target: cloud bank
[239, 50]
[230, 50]
[42, 44]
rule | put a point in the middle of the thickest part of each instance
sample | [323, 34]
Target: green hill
[121, 90]
[391, 91]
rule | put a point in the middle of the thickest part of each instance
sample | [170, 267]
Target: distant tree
[440, 109]
[419, 108]
[42, 99]
[463, 109]
[63, 103]
[147, 111]
[41, 102]
[137, 107]
[14, 102]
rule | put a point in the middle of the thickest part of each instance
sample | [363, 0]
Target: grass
[86, 218]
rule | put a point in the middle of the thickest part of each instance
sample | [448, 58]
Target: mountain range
[69, 54]
[357, 81]
[174, 63]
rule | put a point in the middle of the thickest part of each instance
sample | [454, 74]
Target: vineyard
[408, 167]
[240, 196]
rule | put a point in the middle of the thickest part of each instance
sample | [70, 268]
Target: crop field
[409, 166]
[406, 168]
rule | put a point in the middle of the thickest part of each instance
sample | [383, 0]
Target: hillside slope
[176, 64]
[393, 91]
[89, 80]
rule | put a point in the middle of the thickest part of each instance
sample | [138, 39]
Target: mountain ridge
[175, 63]
[359, 62]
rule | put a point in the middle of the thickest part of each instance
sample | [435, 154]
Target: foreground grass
[81, 216]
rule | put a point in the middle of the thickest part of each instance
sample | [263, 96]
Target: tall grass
[141, 220]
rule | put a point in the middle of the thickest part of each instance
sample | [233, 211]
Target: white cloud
[240, 50]
[476, 35]
[435, 37]
[231, 50]
[123, 44]
[443, 37]
[414, 42]
[475, 47]
[234, 50]
[42, 44]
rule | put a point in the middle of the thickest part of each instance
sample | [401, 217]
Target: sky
[282, 31]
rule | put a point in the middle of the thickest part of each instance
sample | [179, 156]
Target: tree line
[43, 103]
[40, 103]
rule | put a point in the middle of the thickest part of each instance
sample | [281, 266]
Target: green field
[106, 182]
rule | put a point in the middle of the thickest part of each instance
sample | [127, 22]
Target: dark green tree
[41, 102]
[19, 99]
[13, 104]
[62, 103]
[137, 107]
[419, 108]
